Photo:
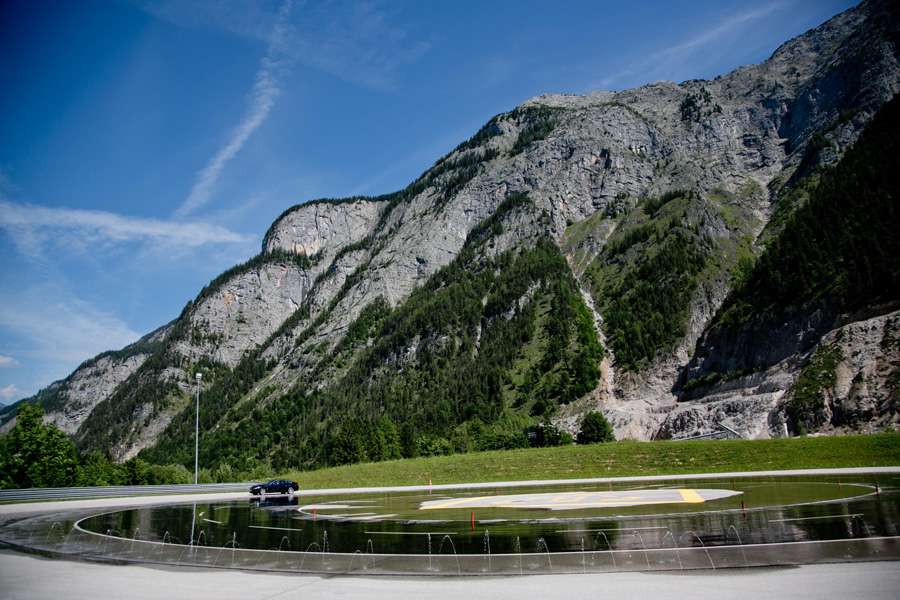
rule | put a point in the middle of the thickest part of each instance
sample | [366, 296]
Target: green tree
[595, 428]
[385, 441]
[433, 445]
[349, 445]
[546, 434]
[37, 455]
[408, 441]
[162, 474]
[137, 471]
[97, 469]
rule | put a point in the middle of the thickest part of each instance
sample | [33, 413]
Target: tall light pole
[197, 431]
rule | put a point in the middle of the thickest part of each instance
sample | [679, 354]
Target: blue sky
[145, 146]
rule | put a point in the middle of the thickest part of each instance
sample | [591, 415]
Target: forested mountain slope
[622, 251]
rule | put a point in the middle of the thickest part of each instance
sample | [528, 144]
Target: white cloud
[9, 392]
[724, 27]
[57, 326]
[669, 59]
[31, 226]
[8, 361]
[262, 98]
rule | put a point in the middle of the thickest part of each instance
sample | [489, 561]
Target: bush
[170, 474]
[432, 445]
[496, 438]
[595, 428]
[97, 469]
[545, 434]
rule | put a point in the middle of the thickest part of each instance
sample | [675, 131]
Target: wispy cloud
[262, 98]
[357, 41]
[724, 27]
[55, 325]
[8, 361]
[31, 225]
[9, 392]
[669, 59]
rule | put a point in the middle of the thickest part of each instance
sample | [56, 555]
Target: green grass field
[616, 459]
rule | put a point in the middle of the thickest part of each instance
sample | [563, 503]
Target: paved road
[26, 577]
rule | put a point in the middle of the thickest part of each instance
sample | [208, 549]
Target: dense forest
[477, 358]
[830, 249]
[652, 267]
[841, 246]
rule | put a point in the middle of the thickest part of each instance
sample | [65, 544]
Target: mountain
[677, 256]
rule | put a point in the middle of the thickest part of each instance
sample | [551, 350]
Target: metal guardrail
[114, 491]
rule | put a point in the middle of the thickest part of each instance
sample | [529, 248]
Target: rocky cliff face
[242, 313]
[75, 397]
[618, 180]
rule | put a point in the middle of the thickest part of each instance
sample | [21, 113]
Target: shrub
[595, 428]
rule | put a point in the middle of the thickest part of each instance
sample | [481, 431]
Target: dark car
[276, 486]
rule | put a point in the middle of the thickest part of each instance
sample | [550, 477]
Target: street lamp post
[197, 431]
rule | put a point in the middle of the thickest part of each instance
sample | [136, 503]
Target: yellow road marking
[458, 501]
[691, 496]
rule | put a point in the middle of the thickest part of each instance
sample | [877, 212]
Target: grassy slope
[617, 459]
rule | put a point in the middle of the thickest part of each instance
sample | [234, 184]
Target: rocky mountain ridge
[688, 179]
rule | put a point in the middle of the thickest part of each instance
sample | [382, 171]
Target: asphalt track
[26, 576]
